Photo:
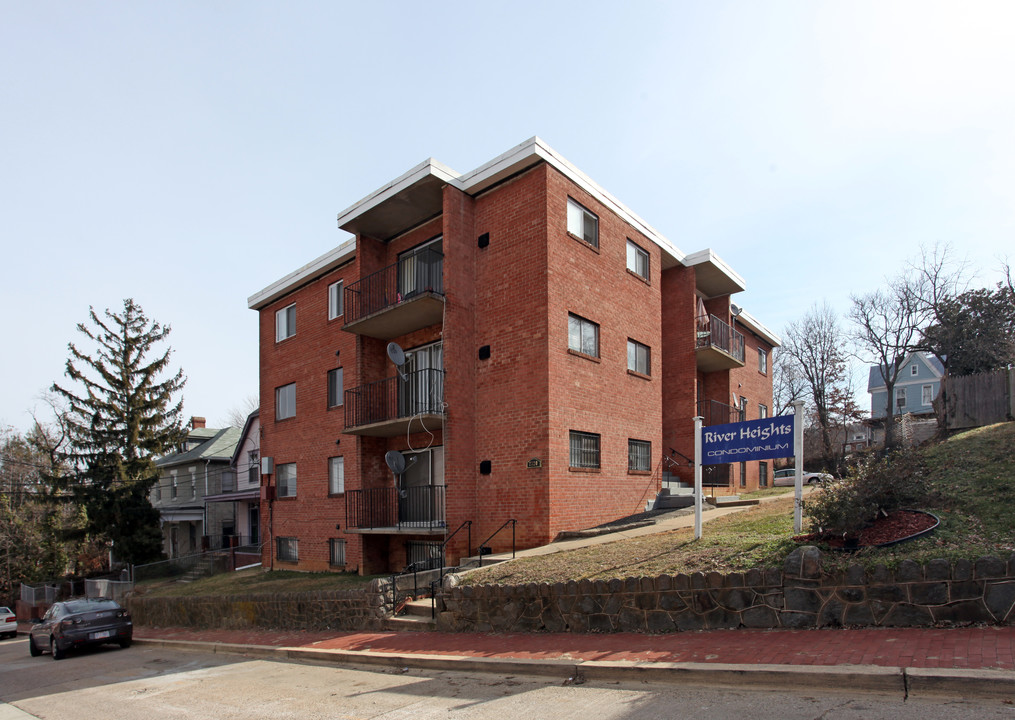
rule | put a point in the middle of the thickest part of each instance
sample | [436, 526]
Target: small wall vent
[484, 240]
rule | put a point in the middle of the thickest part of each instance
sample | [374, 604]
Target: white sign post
[798, 465]
[697, 477]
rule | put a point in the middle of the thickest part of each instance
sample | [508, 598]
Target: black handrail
[413, 274]
[420, 392]
[722, 336]
[482, 545]
[440, 578]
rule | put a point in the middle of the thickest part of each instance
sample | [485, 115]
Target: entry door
[422, 497]
[254, 513]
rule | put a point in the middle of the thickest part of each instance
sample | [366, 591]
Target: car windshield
[80, 606]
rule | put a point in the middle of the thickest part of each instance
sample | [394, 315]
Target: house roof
[876, 374]
[217, 445]
[248, 426]
[417, 196]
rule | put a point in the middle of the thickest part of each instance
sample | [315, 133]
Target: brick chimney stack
[196, 422]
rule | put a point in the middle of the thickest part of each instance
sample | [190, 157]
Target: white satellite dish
[395, 461]
[397, 356]
[735, 310]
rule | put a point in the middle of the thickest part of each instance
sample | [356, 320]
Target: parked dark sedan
[79, 623]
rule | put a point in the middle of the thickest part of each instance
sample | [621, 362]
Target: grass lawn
[972, 480]
[251, 581]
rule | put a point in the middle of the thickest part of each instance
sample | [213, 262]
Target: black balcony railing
[421, 392]
[714, 412]
[413, 274]
[719, 335]
[409, 508]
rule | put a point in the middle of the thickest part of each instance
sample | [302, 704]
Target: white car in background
[8, 622]
[787, 477]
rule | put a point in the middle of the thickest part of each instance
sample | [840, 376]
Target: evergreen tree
[122, 413]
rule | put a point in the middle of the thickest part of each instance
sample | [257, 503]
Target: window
[158, 492]
[582, 335]
[193, 486]
[337, 552]
[762, 361]
[743, 408]
[927, 394]
[639, 455]
[335, 300]
[762, 474]
[900, 397]
[743, 474]
[762, 411]
[287, 549]
[638, 358]
[584, 450]
[336, 475]
[286, 475]
[335, 387]
[174, 490]
[228, 481]
[285, 401]
[582, 223]
[637, 260]
[285, 323]
[253, 472]
[914, 370]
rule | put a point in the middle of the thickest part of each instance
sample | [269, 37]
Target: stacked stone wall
[798, 596]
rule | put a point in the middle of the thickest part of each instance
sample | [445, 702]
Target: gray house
[195, 472]
[917, 386]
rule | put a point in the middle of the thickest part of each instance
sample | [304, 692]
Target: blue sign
[751, 440]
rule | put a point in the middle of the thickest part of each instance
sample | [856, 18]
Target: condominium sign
[748, 440]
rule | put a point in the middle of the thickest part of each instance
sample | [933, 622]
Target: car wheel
[125, 644]
[55, 651]
[33, 648]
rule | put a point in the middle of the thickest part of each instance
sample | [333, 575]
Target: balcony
[412, 510]
[403, 297]
[718, 346]
[396, 406]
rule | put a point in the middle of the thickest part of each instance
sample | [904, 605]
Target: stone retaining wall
[798, 596]
[359, 609]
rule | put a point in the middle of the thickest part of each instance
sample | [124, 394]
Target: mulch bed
[898, 525]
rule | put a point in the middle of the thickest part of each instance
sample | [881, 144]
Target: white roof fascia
[706, 256]
[427, 167]
[344, 252]
[534, 149]
[745, 318]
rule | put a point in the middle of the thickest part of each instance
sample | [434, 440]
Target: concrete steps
[415, 617]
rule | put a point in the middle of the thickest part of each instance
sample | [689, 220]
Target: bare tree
[237, 415]
[788, 384]
[817, 347]
[886, 325]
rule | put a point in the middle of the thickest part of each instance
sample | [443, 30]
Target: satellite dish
[735, 309]
[397, 356]
[395, 460]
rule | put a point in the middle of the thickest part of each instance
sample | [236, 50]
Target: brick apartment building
[555, 348]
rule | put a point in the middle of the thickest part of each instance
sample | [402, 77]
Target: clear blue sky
[187, 154]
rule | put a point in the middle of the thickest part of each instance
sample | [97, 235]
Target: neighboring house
[553, 350]
[186, 478]
[856, 437]
[241, 488]
[915, 390]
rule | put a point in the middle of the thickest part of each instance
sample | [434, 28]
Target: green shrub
[875, 485]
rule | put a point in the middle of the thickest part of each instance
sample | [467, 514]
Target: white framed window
[637, 259]
[927, 395]
[335, 387]
[287, 549]
[914, 370]
[762, 361]
[582, 223]
[336, 475]
[336, 555]
[335, 300]
[900, 397]
[582, 335]
[286, 476]
[253, 471]
[762, 411]
[639, 455]
[174, 488]
[285, 401]
[638, 357]
[584, 449]
[285, 323]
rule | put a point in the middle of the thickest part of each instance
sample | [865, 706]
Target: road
[152, 682]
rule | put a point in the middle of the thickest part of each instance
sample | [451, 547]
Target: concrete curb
[905, 682]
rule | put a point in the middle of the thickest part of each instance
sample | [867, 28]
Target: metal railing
[105, 588]
[412, 275]
[484, 550]
[412, 507]
[720, 335]
[421, 392]
[191, 567]
[714, 412]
